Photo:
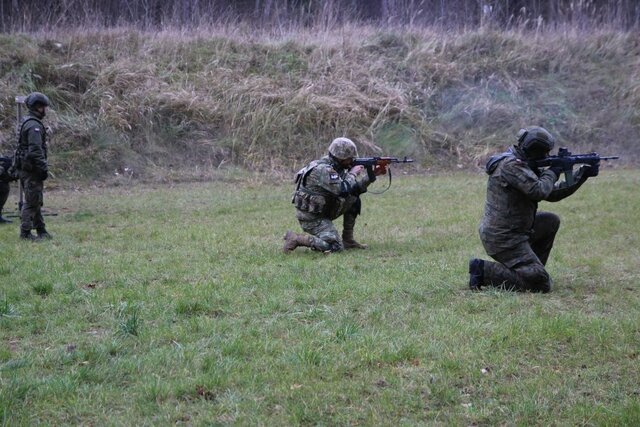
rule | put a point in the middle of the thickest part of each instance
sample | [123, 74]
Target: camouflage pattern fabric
[513, 193]
[325, 192]
[511, 231]
[31, 215]
[5, 167]
[33, 170]
[33, 146]
[521, 267]
[324, 235]
[4, 194]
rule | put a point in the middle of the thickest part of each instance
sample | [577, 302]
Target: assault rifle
[566, 160]
[16, 214]
[370, 162]
[379, 161]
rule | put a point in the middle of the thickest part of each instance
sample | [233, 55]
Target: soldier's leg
[517, 269]
[38, 219]
[4, 195]
[323, 234]
[349, 222]
[31, 207]
[545, 228]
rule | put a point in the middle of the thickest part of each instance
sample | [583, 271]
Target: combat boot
[347, 231]
[43, 234]
[349, 242]
[293, 240]
[476, 274]
[26, 235]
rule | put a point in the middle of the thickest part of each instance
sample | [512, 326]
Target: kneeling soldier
[326, 189]
[513, 232]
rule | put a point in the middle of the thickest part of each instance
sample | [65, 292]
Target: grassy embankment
[158, 104]
[174, 305]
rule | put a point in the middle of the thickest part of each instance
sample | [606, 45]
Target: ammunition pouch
[318, 204]
[306, 202]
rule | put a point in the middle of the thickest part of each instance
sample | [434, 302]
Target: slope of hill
[150, 102]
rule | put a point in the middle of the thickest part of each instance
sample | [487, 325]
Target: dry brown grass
[226, 95]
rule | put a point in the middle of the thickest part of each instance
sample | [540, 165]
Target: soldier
[326, 189]
[5, 179]
[512, 231]
[32, 166]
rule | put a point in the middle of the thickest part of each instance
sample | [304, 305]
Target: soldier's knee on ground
[327, 242]
[535, 278]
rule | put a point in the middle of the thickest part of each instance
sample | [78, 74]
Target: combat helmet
[36, 98]
[343, 148]
[535, 142]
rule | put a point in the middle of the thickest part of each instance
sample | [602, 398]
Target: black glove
[592, 170]
[557, 170]
[43, 175]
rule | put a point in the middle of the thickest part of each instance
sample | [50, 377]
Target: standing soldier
[512, 231]
[326, 189]
[32, 166]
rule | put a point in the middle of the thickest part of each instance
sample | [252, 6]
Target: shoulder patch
[36, 129]
[334, 176]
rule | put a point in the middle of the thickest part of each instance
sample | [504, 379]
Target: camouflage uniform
[512, 231]
[5, 164]
[324, 192]
[33, 170]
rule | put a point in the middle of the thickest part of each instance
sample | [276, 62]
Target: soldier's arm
[329, 180]
[35, 153]
[564, 190]
[518, 175]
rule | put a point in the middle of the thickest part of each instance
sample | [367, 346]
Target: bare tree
[31, 15]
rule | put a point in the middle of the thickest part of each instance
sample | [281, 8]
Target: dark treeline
[34, 15]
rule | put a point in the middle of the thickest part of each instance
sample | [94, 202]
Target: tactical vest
[309, 201]
[20, 160]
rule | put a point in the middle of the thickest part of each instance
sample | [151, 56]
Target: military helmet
[343, 148]
[535, 141]
[35, 98]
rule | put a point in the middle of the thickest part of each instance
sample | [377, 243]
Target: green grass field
[174, 305]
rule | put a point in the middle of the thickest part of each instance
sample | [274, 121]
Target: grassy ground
[174, 305]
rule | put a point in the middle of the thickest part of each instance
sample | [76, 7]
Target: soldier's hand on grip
[557, 170]
[594, 169]
[588, 171]
[357, 170]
